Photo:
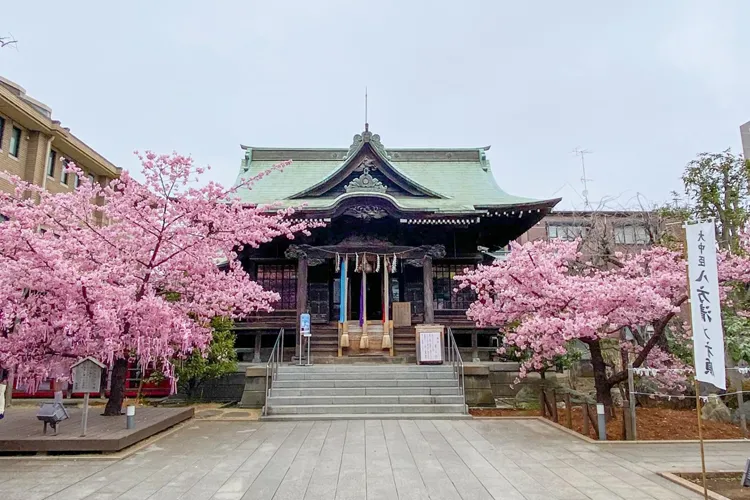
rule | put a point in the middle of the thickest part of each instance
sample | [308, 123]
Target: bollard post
[602, 421]
[542, 402]
[627, 424]
[570, 410]
[585, 409]
[130, 412]
[554, 406]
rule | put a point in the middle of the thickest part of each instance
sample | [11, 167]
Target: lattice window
[444, 296]
[282, 279]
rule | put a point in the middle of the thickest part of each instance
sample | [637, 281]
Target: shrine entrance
[370, 298]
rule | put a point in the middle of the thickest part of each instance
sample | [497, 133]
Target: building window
[64, 173]
[51, 162]
[633, 234]
[15, 141]
[282, 279]
[2, 131]
[566, 232]
[92, 178]
[444, 284]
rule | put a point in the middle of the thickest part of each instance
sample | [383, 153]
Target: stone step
[372, 409]
[365, 416]
[365, 368]
[306, 400]
[366, 391]
[347, 383]
[366, 377]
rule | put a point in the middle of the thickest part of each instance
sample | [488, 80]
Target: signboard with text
[304, 325]
[705, 310]
[87, 375]
[430, 347]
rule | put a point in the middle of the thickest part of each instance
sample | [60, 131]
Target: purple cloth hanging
[362, 302]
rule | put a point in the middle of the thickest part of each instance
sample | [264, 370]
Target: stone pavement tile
[585, 484]
[265, 485]
[380, 481]
[406, 476]
[490, 478]
[171, 467]
[352, 482]
[494, 452]
[650, 483]
[232, 481]
[461, 475]
[325, 475]
[551, 481]
[298, 475]
[439, 486]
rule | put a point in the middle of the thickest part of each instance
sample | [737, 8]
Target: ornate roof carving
[373, 139]
[367, 212]
[365, 182]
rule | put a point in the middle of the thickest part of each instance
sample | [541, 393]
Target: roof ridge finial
[367, 125]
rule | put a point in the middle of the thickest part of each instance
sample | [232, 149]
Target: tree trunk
[117, 388]
[603, 387]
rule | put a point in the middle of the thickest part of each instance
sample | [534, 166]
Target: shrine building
[399, 224]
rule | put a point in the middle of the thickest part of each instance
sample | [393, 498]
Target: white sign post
[705, 312]
[87, 378]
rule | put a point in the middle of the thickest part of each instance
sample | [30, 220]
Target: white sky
[645, 85]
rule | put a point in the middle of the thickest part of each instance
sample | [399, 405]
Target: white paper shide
[708, 335]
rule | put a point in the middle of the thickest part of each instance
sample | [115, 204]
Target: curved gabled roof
[439, 180]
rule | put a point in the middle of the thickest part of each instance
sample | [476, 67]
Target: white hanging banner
[705, 310]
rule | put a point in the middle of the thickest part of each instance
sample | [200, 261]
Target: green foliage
[718, 185]
[737, 336]
[220, 359]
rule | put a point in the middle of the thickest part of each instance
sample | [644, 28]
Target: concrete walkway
[377, 460]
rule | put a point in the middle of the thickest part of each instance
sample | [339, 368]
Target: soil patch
[723, 483]
[653, 424]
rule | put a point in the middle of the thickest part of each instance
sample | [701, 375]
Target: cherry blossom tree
[545, 295]
[125, 271]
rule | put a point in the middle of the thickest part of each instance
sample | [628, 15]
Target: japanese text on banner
[703, 276]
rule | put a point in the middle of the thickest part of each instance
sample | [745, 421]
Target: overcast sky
[644, 85]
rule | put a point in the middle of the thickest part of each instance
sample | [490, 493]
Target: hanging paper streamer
[377, 264]
[393, 264]
[362, 302]
[338, 262]
[356, 262]
[342, 290]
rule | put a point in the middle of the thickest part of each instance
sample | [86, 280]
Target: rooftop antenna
[584, 180]
[367, 125]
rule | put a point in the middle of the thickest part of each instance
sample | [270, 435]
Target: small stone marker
[87, 378]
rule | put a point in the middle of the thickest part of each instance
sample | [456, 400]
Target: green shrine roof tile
[461, 177]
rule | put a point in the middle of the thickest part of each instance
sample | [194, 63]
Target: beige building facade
[36, 147]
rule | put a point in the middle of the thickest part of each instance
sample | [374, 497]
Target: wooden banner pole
[700, 437]
[697, 384]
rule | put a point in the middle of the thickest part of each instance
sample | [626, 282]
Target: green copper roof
[459, 180]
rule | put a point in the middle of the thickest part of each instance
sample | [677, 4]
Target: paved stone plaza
[388, 459]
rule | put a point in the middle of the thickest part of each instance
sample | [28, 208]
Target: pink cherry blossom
[143, 285]
[546, 295]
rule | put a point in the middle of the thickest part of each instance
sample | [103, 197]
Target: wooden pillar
[256, 354]
[474, 347]
[429, 311]
[301, 291]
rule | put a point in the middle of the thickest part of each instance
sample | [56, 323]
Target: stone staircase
[367, 391]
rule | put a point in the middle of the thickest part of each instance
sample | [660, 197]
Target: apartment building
[602, 231]
[36, 147]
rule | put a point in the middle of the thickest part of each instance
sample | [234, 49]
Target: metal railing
[272, 367]
[453, 357]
